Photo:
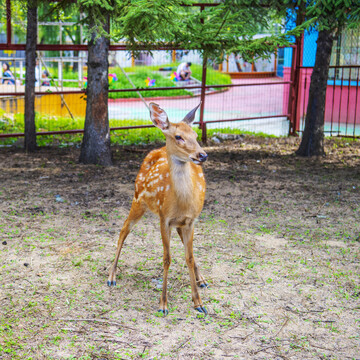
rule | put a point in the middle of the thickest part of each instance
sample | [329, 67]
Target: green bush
[139, 74]
[138, 78]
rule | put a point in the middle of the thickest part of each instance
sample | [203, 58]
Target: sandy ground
[278, 241]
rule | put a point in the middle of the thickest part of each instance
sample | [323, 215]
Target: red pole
[202, 126]
[202, 97]
[291, 91]
[295, 87]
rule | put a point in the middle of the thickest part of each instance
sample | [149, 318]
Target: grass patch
[213, 77]
[120, 137]
[139, 74]
[138, 78]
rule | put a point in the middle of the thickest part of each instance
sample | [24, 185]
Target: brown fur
[172, 186]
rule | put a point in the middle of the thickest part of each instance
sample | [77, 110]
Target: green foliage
[138, 75]
[213, 77]
[333, 15]
[216, 30]
[229, 26]
[149, 21]
[138, 80]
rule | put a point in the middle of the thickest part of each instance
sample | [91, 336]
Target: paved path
[237, 102]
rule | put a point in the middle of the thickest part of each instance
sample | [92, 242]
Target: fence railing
[342, 106]
[257, 105]
[55, 66]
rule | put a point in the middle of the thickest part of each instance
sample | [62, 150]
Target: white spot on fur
[146, 194]
[167, 187]
[201, 174]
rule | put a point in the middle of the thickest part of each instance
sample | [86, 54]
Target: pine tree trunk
[312, 142]
[30, 62]
[95, 147]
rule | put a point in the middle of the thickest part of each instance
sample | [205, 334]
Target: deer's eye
[178, 137]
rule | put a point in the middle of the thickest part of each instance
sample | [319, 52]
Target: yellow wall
[47, 104]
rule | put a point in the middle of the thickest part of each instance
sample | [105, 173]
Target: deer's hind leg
[165, 235]
[137, 210]
[200, 280]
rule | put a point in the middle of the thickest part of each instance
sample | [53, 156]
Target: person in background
[45, 79]
[183, 71]
[7, 77]
[37, 73]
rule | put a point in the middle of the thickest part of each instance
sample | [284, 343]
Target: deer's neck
[181, 179]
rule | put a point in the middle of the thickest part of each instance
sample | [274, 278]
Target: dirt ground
[278, 241]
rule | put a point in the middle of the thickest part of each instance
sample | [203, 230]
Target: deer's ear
[189, 118]
[159, 117]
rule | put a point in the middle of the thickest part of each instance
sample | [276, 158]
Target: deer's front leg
[188, 235]
[165, 234]
[200, 280]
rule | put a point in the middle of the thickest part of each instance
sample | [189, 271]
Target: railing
[18, 68]
[245, 104]
[342, 107]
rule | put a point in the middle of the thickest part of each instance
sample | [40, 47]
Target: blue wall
[310, 47]
[285, 56]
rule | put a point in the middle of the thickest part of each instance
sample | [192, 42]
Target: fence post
[203, 89]
[202, 97]
[204, 134]
[295, 86]
[60, 78]
[291, 92]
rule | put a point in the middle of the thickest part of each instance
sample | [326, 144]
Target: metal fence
[342, 106]
[264, 96]
[248, 104]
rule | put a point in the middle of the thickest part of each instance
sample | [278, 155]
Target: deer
[171, 184]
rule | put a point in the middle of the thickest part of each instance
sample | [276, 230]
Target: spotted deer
[171, 184]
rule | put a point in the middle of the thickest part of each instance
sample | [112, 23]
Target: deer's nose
[203, 157]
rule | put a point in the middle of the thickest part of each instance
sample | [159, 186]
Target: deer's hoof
[164, 312]
[111, 283]
[204, 285]
[201, 309]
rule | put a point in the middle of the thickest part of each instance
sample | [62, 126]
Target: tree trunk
[95, 147]
[30, 60]
[312, 142]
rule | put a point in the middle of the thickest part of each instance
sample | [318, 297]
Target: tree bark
[30, 62]
[312, 142]
[95, 147]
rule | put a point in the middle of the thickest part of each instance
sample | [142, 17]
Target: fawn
[171, 184]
